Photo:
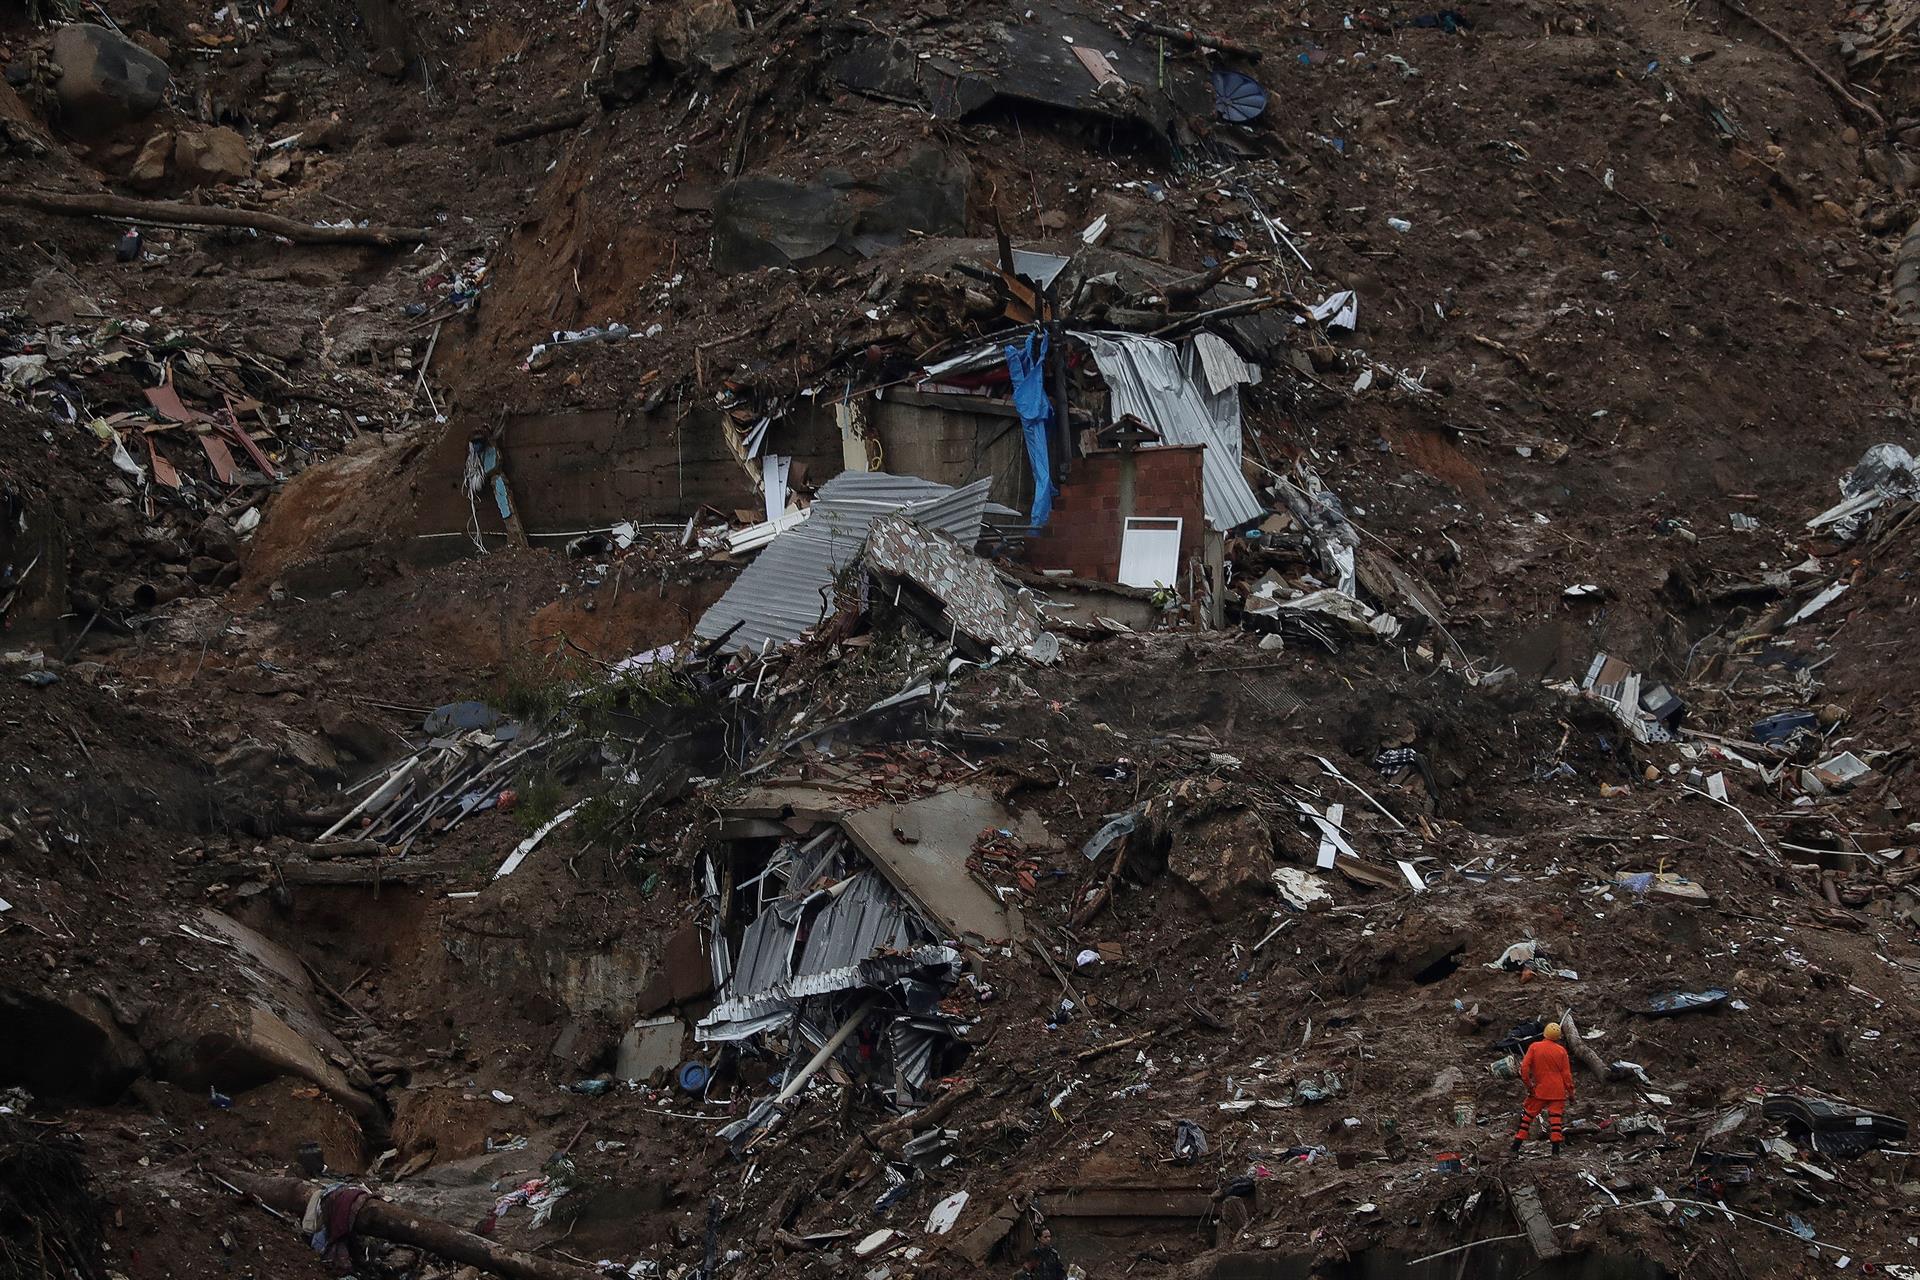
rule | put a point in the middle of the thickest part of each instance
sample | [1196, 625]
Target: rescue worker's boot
[1556, 1147]
[1516, 1146]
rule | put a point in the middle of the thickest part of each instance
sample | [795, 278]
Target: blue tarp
[1028, 366]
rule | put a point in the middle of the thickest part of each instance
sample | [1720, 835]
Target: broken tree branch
[384, 1220]
[1085, 914]
[1088, 1055]
[1187, 288]
[1570, 1036]
[1826, 77]
[171, 213]
[1198, 39]
[1246, 307]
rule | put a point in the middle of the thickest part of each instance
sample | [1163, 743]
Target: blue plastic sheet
[1027, 363]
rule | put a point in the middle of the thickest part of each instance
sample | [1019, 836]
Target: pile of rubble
[899, 641]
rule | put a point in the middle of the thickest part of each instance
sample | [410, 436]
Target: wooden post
[1057, 368]
[1214, 547]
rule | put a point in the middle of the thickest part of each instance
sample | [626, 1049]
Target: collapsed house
[840, 937]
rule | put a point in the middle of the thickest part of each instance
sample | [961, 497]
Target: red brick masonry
[1084, 533]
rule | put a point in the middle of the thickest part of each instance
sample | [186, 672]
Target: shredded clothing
[332, 1213]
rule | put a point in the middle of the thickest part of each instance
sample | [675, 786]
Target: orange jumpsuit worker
[1548, 1073]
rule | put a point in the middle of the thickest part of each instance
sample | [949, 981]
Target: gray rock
[106, 79]
[761, 220]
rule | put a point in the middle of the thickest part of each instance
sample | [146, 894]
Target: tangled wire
[49, 1222]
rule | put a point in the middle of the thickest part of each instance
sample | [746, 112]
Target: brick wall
[1084, 533]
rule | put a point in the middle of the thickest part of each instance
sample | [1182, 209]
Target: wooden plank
[1129, 1202]
[986, 406]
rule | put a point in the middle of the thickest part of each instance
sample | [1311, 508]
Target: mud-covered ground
[1646, 283]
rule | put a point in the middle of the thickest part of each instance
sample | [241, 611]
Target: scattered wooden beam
[885, 1137]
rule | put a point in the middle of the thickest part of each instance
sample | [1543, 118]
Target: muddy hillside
[688, 639]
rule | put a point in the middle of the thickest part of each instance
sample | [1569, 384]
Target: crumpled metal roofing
[866, 918]
[864, 936]
[914, 1042]
[1219, 365]
[1147, 378]
[789, 588]
[766, 952]
[736, 1019]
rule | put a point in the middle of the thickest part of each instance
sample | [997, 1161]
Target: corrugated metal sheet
[866, 918]
[1147, 379]
[965, 362]
[1217, 365]
[766, 954]
[862, 936]
[788, 589]
[1041, 268]
[959, 514]
[726, 1021]
[914, 1042]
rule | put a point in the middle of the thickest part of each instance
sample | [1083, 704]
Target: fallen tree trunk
[379, 871]
[539, 128]
[385, 1220]
[1187, 288]
[1246, 307]
[338, 849]
[1581, 1051]
[82, 205]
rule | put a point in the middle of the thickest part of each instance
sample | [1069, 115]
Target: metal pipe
[827, 1050]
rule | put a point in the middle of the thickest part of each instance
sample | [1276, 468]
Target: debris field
[682, 639]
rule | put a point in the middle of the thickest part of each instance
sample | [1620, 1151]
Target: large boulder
[106, 80]
[254, 1020]
[1225, 857]
[706, 32]
[212, 157]
[837, 217]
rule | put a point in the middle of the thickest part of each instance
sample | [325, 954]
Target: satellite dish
[1237, 98]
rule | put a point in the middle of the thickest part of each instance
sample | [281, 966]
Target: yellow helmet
[1552, 1031]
